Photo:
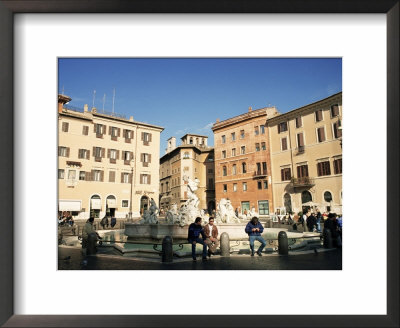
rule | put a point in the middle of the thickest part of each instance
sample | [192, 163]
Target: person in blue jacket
[194, 231]
[254, 229]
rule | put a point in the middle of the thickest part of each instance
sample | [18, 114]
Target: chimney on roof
[217, 120]
[62, 99]
[85, 108]
[171, 144]
[250, 109]
[131, 118]
[94, 110]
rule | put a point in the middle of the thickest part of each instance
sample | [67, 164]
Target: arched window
[327, 196]
[244, 167]
[224, 171]
[191, 141]
[306, 197]
[234, 169]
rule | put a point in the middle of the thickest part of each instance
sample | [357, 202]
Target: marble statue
[226, 212]
[190, 209]
[150, 216]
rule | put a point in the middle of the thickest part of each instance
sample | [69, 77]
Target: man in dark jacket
[194, 231]
[254, 229]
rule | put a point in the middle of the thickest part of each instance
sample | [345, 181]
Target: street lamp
[130, 201]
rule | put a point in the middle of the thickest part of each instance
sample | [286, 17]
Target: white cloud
[207, 127]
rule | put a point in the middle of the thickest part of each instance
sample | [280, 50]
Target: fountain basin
[159, 231]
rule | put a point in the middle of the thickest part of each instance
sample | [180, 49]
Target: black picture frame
[10, 7]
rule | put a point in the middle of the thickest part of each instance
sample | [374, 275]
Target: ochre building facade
[242, 161]
[194, 159]
[306, 156]
[107, 164]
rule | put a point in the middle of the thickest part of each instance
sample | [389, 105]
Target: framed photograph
[34, 35]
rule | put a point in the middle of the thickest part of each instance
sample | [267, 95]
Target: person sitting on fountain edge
[195, 229]
[211, 232]
[254, 229]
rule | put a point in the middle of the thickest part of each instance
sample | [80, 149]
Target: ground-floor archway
[95, 206]
[210, 207]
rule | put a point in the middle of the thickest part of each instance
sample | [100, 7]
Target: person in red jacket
[211, 232]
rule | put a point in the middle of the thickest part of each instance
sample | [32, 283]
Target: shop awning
[95, 204]
[111, 203]
[70, 205]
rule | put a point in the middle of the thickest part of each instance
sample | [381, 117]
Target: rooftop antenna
[94, 96]
[62, 90]
[113, 100]
[104, 100]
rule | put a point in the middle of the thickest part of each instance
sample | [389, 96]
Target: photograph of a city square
[200, 164]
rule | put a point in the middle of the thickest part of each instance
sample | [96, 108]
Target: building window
[318, 115]
[83, 153]
[112, 154]
[224, 171]
[225, 188]
[327, 196]
[233, 136]
[224, 154]
[63, 151]
[256, 131]
[334, 110]
[244, 186]
[263, 207]
[60, 173]
[127, 156]
[234, 169]
[223, 140]
[262, 129]
[99, 129]
[146, 138]
[210, 170]
[321, 134]
[259, 185]
[299, 122]
[302, 171]
[65, 127]
[125, 203]
[264, 167]
[82, 175]
[323, 168]
[191, 141]
[96, 175]
[337, 132]
[257, 146]
[233, 151]
[97, 152]
[85, 130]
[306, 197]
[125, 177]
[282, 127]
[337, 166]
[244, 170]
[235, 187]
[245, 207]
[258, 172]
[263, 146]
[265, 182]
[284, 144]
[243, 150]
[241, 134]
[111, 176]
[286, 174]
[186, 155]
[300, 140]
[114, 132]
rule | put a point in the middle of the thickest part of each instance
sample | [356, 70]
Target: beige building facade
[242, 161]
[194, 159]
[306, 156]
[107, 164]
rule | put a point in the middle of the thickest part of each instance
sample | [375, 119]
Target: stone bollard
[225, 245]
[283, 246]
[327, 235]
[167, 253]
[91, 244]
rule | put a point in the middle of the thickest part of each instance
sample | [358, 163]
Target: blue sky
[188, 95]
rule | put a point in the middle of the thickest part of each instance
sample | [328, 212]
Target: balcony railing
[300, 150]
[302, 182]
[260, 174]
